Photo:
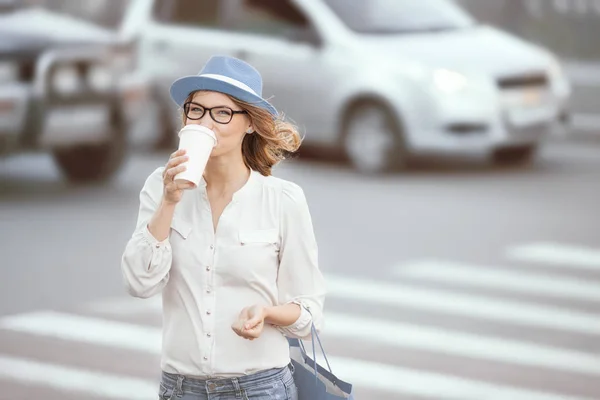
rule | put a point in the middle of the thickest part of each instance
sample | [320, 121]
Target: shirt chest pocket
[182, 227]
[253, 259]
[259, 237]
[183, 250]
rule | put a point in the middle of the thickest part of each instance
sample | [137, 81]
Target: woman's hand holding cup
[173, 189]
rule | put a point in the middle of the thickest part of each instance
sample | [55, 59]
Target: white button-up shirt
[263, 252]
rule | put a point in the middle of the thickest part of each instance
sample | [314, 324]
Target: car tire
[373, 139]
[167, 135]
[514, 155]
[95, 162]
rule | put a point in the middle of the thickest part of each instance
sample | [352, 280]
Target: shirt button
[208, 267]
[158, 246]
[207, 290]
[208, 334]
[212, 247]
[207, 312]
[205, 358]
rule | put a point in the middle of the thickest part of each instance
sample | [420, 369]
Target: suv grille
[519, 81]
[26, 70]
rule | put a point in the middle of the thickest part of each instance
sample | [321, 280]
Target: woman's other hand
[250, 322]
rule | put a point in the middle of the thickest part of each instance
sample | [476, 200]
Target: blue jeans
[272, 384]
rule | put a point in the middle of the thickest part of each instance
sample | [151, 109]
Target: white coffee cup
[198, 141]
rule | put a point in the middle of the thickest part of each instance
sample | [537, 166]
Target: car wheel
[373, 139]
[167, 133]
[514, 155]
[95, 162]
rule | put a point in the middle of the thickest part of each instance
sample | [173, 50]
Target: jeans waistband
[223, 385]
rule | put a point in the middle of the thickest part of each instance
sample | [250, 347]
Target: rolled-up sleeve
[299, 279]
[146, 261]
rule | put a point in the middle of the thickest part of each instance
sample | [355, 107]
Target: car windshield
[400, 16]
[106, 13]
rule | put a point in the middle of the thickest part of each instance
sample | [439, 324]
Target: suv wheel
[372, 139]
[166, 138]
[95, 162]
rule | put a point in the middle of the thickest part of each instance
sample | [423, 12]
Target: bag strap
[314, 335]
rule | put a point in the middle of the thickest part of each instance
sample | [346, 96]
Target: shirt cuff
[303, 321]
[152, 241]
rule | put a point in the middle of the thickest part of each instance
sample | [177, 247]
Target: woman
[235, 258]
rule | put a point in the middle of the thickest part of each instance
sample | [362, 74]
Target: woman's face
[229, 136]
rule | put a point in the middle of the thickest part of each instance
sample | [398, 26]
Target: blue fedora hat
[226, 75]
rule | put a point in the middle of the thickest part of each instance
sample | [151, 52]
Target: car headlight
[66, 80]
[448, 81]
[9, 71]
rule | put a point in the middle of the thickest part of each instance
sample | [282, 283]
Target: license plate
[524, 98]
[533, 97]
[76, 125]
[527, 106]
[527, 116]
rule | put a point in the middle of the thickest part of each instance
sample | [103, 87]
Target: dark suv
[65, 88]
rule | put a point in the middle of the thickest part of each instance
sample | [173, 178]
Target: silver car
[380, 80]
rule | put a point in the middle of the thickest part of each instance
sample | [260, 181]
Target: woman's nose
[206, 121]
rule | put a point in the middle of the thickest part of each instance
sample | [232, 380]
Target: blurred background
[451, 160]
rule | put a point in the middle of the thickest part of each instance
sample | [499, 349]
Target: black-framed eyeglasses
[221, 114]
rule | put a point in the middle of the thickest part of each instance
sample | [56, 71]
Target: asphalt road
[584, 106]
[452, 281]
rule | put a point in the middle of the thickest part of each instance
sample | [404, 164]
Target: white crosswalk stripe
[100, 325]
[444, 301]
[437, 386]
[77, 380]
[556, 255]
[88, 330]
[138, 338]
[148, 339]
[497, 278]
[461, 344]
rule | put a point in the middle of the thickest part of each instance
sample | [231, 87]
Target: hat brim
[182, 87]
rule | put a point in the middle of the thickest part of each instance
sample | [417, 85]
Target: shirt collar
[251, 182]
[247, 186]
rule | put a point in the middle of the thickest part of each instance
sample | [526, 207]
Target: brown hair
[272, 141]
